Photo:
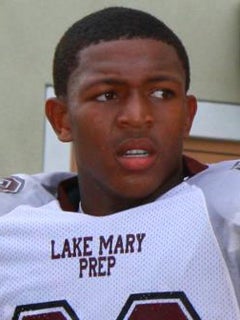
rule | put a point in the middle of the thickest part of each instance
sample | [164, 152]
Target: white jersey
[35, 190]
[220, 184]
[156, 261]
[128, 281]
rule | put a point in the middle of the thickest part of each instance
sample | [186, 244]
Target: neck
[102, 204]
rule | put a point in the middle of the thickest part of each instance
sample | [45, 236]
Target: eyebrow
[163, 78]
[101, 81]
[114, 81]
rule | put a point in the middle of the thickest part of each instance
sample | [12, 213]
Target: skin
[125, 95]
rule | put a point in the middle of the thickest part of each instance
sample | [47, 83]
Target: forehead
[128, 58]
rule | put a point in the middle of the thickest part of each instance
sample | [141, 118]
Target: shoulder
[220, 184]
[225, 171]
[34, 190]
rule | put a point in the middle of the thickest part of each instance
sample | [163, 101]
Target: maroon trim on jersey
[11, 185]
[192, 166]
[69, 195]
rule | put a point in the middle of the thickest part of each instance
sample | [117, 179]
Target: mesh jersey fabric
[220, 184]
[166, 248]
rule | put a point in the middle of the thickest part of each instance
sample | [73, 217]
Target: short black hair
[112, 23]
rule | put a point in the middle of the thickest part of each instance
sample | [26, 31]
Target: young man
[130, 237]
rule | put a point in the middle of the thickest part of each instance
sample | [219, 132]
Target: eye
[106, 96]
[162, 93]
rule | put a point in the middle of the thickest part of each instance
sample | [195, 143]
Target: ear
[191, 109]
[57, 113]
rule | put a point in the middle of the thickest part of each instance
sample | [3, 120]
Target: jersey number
[154, 306]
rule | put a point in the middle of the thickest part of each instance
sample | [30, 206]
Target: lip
[136, 161]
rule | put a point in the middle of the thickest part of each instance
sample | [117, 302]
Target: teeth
[136, 153]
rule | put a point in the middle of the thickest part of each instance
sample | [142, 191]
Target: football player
[141, 232]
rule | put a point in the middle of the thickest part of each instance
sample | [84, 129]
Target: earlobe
[56, 111]
[191, 111]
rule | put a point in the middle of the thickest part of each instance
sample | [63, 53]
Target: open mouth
[136, 153]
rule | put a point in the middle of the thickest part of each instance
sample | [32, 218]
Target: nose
[135, 112]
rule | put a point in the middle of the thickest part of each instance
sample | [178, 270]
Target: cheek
[171, 131]
[90, 137]
[172, 121]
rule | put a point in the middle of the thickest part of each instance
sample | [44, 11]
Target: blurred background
[29, 32]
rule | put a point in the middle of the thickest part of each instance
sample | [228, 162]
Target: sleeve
[221, 187]
[33, 190]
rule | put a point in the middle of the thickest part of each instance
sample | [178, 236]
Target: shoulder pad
[33, 190]
[220, 184]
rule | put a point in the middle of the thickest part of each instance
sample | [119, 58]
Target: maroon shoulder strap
[192, 166]
[68, 194]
